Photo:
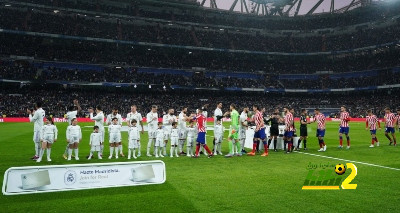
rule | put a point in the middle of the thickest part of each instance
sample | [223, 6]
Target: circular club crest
[70, 177]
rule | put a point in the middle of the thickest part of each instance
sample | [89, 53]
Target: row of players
[175, 129]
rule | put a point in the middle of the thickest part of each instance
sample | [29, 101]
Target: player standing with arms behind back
[182, 118]
[320, 119]
[109, 120]
[371, 121]
[72, 113]
[135, 115]
[152, 121]
[99, 121]
[390, 121]
[36, 116]
[344, 127]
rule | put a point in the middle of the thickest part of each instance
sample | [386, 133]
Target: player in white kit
[115, 137]
[36, 116]
[191, 134]
[134, 138]
[135, 115]
[218, 137]
[99, 121]
[182, 118]
[174, 140]
[168, 119]
[159, 133]
[95, 142]
[72, 113]
[217, 115]
[74, 136]
[115, 114]
[152, 120]
[242, 128]
[48, 136]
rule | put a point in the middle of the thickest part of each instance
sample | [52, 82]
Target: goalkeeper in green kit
[233, 138]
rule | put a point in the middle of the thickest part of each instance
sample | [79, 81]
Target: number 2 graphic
[346, 183]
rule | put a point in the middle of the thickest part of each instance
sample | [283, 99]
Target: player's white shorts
[167, 135]
[115, 137]
[36, 136]
[159, 142]
[95, 148]
[133, 144]
[182, 134]
[48, 138]
[190, 141]
[174, 141]
[218, 139]
[242, 133]
[152, 133]
[73, 139]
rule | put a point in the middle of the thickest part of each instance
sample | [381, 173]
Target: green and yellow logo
[329, 177]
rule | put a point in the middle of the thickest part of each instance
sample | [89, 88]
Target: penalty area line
[352, 161]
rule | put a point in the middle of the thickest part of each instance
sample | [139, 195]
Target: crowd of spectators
[57, 49]
[56, 99]
[113, 28]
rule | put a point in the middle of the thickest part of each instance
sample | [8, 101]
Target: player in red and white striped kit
[370, 124]
[344, 127]
[201, 133]
[320, 119]
[289, 129]
[390, 121]
[259, 133]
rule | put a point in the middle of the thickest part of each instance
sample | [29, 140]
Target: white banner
[39, 179]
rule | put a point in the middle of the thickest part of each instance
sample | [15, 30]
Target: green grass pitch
[239, 184]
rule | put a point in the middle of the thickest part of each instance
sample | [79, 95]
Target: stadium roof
[287, 7]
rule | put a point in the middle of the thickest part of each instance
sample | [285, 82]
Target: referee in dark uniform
[274, 128]
[303, 129]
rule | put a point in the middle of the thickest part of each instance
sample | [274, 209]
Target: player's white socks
[37, 149]
[134, 153]
[111, 152]
[156, 151]
[101, 149]
[171, 152]
[181, 144]
[90, 155]
[242, 144]
[176, 152]
[139, 147]
[165, 150]
[41, 154]
[120, 148]
[48, 153]
[69, 153]
[116, 152]
[149, 143]
[219, 147]
[76, 154]
[129, 153]
[188, 151]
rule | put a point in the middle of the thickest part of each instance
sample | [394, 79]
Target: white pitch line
[352, 161]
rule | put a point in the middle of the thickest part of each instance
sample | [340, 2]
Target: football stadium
[199, 105]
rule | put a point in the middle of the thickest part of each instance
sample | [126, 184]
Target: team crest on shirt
[70, 177]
